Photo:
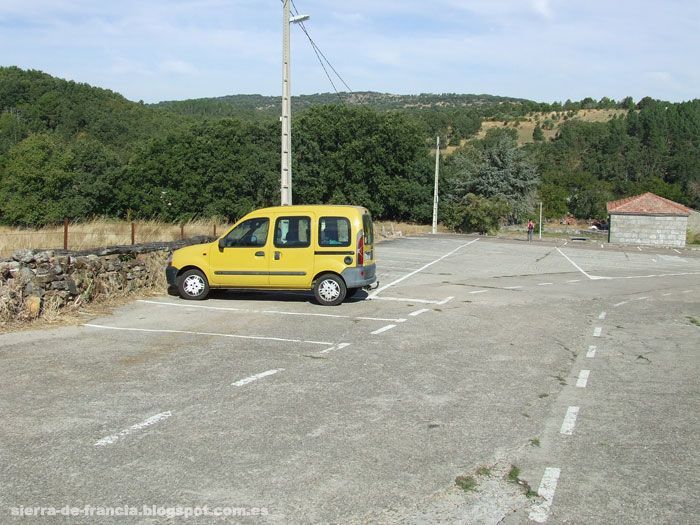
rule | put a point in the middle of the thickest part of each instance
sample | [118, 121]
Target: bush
[476, 214]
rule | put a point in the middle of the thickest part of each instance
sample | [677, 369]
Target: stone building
[648, 219]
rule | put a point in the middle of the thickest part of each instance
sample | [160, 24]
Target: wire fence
[98, 234]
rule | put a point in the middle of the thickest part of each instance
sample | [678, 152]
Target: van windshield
[368, 229]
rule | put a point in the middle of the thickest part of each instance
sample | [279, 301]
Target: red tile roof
[647, 204]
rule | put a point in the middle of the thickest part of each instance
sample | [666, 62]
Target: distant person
[530, 230]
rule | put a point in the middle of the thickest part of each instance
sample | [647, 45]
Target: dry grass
[99, 233]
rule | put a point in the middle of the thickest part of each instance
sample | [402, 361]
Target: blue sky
[544, 50]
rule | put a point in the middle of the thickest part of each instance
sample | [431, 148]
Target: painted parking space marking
[413, 300]
[567, 427]
[597, 331]
[414, 272]
[418, 312]
[591, 351]
[666, 294]
[620, 304]
[546, 490]
[478, 291]
[383, 329]
[602, 315]
[545, 284]
[582, 380]
[592, 277]
[212, 334]
[640, 298]
[677, 251]
[269, 312]
[250, 379]
[133, 428]
[574, 281]
[512, 287]
[333, 348]
[686, 291]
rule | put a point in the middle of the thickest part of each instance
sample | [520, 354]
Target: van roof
[309, 207]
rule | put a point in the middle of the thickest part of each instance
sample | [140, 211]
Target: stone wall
[648, 230]
[36, 283]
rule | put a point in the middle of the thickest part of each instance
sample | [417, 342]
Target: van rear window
[334, 231]
[368, 228]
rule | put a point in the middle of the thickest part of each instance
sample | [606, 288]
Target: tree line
[72, 150]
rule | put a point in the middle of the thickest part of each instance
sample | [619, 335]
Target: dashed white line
[602, 315]
[582, 380]
[620, 304]
[544, 284]
[478, 291]
[686, 291]
[567, 427]
[214, 334]
[412, 300]
[333, 348]
[247, 380]
[597, 331]
[640, 298]
[666, 294]
[677, 251]
[574, 281]
[133, 428]
[418, 312]
[397, 281]
[445, 300]
[639, 248]
[591, 351]
[512, 287]
[383, 329]
[548, 486]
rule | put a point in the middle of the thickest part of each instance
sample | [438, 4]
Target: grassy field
[105, 232]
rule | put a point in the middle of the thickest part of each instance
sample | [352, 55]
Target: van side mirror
[222, 243]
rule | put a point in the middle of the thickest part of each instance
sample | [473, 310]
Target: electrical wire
[321, 56]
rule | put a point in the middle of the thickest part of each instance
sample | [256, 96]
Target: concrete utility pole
[286, 119]
[435, 191]
[540, 223]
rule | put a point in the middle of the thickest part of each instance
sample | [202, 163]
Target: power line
[321, 57]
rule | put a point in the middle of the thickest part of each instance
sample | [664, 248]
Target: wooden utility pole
[435, 190]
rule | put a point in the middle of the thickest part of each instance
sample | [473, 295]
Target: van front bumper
[171, 275]
[360, 276]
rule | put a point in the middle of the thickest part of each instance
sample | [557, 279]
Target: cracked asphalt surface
[366, 413]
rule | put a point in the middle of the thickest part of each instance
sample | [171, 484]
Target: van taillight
[360, 249]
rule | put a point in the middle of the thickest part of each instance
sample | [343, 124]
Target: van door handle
[260, 254]
[277, 256]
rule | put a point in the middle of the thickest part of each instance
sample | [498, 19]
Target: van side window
[334, 231]
[249, 234]
[293, 232]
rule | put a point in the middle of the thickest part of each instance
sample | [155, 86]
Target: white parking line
[250, 379]
[620, 304]
[133, 428]
[574, 281]
[188, 332]
[567, 427]
[640, 298]
[591, 351]
[512, 287]
[544, 284]
[412, 300]
[268, 312]
[686, 291]
[548, 486]
[397, 281]
[478, 291]
[602, 315]
[418, 312]
[592, 277]
[383, 329]
[597, 331]
[677, 251]
[582, 380]
[333, 348]
[666, 294]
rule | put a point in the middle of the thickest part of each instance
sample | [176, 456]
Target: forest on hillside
[76, 151]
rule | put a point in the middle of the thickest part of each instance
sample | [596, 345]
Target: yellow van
[327, 249]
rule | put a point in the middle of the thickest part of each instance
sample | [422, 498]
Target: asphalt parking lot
[578, 364]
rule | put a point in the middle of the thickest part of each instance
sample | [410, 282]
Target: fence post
[182, 231]
[65, 233]
[214, 229]
[133, 233]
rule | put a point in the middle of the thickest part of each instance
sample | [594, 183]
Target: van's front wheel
[193, 285]
[330, 290]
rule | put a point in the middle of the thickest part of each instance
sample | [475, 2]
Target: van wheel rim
[193, 285]
[329, 290]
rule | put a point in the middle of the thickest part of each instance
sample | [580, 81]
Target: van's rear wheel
[193, 285]
[329, 289]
